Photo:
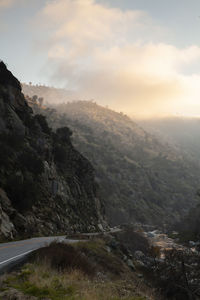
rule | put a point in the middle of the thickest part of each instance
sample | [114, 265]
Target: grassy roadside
[85, 271]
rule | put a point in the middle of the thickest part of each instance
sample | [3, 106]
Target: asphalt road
[13, 253]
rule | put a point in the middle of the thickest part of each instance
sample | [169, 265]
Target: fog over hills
[142, 177]
[182, 132]
[50, 94]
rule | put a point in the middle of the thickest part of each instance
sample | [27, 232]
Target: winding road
[13, 252]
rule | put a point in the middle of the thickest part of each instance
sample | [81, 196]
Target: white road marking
[5, 261]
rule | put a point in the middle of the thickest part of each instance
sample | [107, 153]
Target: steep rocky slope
[46, 186]
[142, 178]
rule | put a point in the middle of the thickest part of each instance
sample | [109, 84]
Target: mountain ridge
[143, 179]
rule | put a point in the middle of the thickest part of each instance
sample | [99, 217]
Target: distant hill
[182, 132]
[142, 179]
[50, 94]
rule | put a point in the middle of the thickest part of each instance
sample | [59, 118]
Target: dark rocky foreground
[46, 186]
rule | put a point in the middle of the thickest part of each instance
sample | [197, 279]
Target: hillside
[50, 94]
[46, 186]
[183, 132]
[189, 227]
[142, 179]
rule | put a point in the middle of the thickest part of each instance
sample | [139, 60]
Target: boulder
[130, 265]
[139, 263]
[7, 228]
[192, 244]
[139, 255]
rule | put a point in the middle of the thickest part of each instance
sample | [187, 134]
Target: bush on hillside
[132, 240]
[63, 257]
[178, 275]
[43, 123]
[60, 154]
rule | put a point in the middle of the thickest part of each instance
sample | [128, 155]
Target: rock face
[47, 187]
[7, 229]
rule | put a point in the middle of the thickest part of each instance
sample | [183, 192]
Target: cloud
[115, 57]
[6, 3]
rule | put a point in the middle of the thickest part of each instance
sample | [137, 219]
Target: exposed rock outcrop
[47, 187]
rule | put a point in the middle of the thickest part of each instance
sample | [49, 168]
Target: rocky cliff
[46, 186]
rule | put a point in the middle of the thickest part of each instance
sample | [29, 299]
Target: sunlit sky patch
[138, 56]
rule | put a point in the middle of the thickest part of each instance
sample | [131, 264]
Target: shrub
[178, 275]
[64, 133]
[104, 261]
[64, 257]
[133, 240]
[60, 154]
[43, 123]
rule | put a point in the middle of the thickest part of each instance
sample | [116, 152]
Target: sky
[141, 57]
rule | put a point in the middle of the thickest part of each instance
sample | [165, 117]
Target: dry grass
[62, 257]
[104, 261]
[43, 281]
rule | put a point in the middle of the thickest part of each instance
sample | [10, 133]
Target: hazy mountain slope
[140, 175]
[183, 132]
[189, 227]
[142, 179]
[46, 186]
[50, 94]
[179, 131]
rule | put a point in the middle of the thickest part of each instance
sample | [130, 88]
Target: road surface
[13, 252]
